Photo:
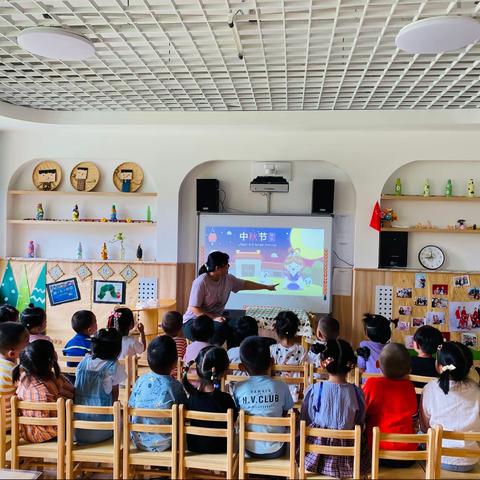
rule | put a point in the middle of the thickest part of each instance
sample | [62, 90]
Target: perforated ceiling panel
[181, 55]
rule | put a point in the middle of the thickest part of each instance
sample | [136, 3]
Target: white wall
[367, 146]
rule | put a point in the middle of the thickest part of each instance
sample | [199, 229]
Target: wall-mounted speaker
[393, 250]
[208, 195]
[323, 193]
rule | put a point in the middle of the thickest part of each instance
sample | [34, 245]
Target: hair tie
[213, 375]
[328, 361]
[449, 367]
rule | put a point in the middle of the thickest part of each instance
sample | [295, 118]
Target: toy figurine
[398, 187]
[75, 213]
[149, 214]
[113, 214]
[471, 188]
[79, 251]
[461, 224]
[426, 188]
[139, 253]
[104, 252]
[448, 188]
[119, 237]
[39, 215]
[31, 249]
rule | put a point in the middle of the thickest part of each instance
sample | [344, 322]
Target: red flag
[375, 221]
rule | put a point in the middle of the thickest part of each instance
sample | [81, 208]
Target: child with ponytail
[34, 319]
[334, 404]
[212, 365]
[122, 320]
[453, 401]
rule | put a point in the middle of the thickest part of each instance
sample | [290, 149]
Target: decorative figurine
[75, 213]
[79, 251]
[461, 224]
[126, 176]
[139, 253]
[39, 215]
[426, 188]
[448, 188]
[471, 188]
[31, 249]
[119, 237]
[398, 187]
[113, 214]
[149, 214]
[104, 252]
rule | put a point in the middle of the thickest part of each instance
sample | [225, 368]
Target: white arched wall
[369, 146]
[235, 177]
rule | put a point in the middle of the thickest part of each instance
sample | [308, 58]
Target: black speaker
[208, 195]
[393, 249]
[323, 193]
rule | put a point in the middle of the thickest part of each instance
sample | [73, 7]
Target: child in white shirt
[122, 320]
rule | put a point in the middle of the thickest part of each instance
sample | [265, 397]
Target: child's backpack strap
[318, 402]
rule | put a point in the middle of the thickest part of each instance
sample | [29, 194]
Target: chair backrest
[4, 446]
[353, 451]
[440, 450]
[428, 454]
[130, 363]
[359, 376]
[298, 375]
[62, 363]
[18, 408]
[246, 422]
[185, 428]
[130, 426]
[421, 379]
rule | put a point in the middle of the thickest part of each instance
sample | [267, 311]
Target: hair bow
[448, 367]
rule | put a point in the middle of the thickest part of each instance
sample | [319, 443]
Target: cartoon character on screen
[293, 270]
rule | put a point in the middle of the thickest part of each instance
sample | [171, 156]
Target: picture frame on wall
[109, 291]
[63, 291]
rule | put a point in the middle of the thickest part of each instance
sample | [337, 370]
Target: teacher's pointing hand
[272, 288]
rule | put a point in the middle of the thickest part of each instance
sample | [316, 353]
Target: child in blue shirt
[157, 390]
[84, 323]
[261, 395]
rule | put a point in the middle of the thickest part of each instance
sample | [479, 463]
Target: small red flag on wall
[375, 221]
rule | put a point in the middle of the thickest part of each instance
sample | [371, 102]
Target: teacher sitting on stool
[210, 292]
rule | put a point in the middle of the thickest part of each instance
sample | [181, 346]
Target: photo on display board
[105, 291]
[402, 326]
[439, 302]
[418, 322]
[420, 280]
[439, 289]
[409, 341]
[405, 310]
[461, 281]
[421, 302]
[435, 318]
[404, 293]
[64, 291]
[470, 340]
[464, 316]
[474, 293]
[446, 336]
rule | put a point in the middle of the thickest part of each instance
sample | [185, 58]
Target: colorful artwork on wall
[38, 294]
[109, 292]
[8, 287]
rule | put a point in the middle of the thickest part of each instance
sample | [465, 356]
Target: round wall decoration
[84, 176]
[47, 175]
[128, 177]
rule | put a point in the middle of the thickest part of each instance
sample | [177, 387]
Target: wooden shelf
[89, 260]
[85, 222]
[94, 194]
[430, 230]
[431, 198]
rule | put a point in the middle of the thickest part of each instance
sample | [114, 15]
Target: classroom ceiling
[157, 55]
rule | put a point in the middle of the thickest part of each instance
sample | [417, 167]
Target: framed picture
[439, 289]
[109, 291]
[470, 340]
[435, 318]
[420, 280]
[421, 301]
[64, 291]
[418, 322]
[461, 281]
[404, 293]
[405, 310]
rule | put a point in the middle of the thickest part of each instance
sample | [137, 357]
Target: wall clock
[431, 257]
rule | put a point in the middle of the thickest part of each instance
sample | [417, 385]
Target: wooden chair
[62, 363]
[54, 449]
[136, 457]
[421, 379]
[235, 374]
[440, 450]
[316, 374]
[359, 376]
[297, 375]
[416, 471]
[218, 462]
[283, 466]
[103, 452]
[5, 438]
[353, 451]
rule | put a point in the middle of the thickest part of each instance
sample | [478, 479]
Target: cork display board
[128, 177]
[447, 301]
[47, 175]
[84, 177]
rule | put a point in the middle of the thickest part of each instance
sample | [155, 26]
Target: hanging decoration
[128, 273]
[23, 292]
[56, 272]
[37, 297]
[105, 271]
[83, 272]
[8, 287]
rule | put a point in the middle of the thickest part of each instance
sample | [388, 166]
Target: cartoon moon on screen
[292, 257]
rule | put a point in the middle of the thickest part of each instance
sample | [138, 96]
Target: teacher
[210, 292]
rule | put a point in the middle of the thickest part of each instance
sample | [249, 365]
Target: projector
[269, 184]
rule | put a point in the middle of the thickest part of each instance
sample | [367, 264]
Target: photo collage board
[447, 301]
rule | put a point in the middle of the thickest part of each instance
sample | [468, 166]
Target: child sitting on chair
[122, 320]
[156, 390]
[97, 382]
[34, 319]
[246, 326]
[426, 341]
[328, 328]
[39, 380]
[202, 332]
[172, 323]
[391, 402]
[453, 401]
[211, 365]
[8, 313]
[337, 405]
[261, 395]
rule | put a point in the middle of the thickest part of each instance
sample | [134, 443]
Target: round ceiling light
[438, 34]
[55, 43]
